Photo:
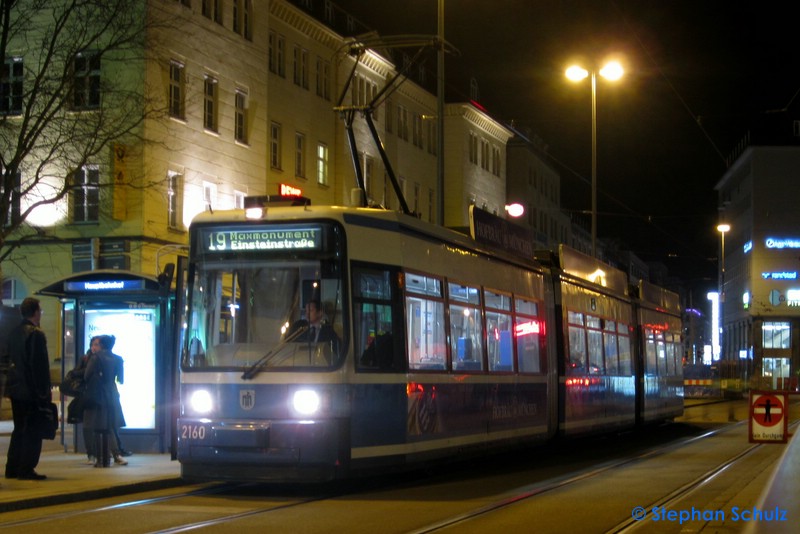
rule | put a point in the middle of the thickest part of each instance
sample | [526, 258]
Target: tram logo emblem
[247, 398]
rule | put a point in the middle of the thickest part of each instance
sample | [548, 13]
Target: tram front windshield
[274, 314]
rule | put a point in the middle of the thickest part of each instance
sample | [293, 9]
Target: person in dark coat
[30, 390]
[104, 411]
[119, 378]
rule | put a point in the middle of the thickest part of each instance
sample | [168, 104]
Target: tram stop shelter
[138, 311]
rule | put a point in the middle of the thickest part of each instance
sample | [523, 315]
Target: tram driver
[318, 331]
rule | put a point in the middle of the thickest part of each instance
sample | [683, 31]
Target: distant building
[759, 199]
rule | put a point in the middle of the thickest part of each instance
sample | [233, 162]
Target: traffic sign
[768, 418]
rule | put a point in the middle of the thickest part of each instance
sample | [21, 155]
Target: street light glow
[724, 228]
[576, 73]
[612, 71]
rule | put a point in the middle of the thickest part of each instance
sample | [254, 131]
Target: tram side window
[610, 343]
[466, 327]
[624, 343]
[651, 352]
[576, 363]
[499, 346]
[529, 336]
[375, 346]
[595, 345]
[424, 309]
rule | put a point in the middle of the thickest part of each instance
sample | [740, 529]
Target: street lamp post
[722, 229]
[611, 71]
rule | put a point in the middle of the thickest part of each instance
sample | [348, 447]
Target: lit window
[174, 187]
[85, 194]
[210, 103]
[322, 164]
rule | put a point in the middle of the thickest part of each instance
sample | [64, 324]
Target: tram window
[425, 323]
[610, 343]
[466, 338]
[463, 294]
[624, 344]
[595, 346]
[576, 363]
[498, 342]
[526, 307]
[529, 336]
[375, 345]
[651, 353]
[423, 285]
[496, 301]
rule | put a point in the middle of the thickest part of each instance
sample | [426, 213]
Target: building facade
[759, 266]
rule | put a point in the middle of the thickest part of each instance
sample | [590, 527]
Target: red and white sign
[768, 420]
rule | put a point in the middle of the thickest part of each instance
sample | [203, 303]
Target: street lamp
[611, 71]
[722, 229]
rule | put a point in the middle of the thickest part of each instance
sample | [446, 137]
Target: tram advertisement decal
[768, 417]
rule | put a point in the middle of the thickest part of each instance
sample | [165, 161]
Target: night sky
[697, 72]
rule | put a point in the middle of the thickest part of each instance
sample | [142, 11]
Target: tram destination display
[260, 239]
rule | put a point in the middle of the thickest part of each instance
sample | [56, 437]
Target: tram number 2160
[193, 432]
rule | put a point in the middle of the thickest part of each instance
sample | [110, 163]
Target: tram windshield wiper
[256, 367]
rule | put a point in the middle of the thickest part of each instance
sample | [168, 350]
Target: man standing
[29, 391]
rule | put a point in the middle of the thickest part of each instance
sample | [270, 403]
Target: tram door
[776, 370]
[135, 332]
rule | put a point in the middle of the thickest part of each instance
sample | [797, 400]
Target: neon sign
[782, 275]
[772, 242]
[528, 328]
[105, 285]
[290, 191]
[748, 247]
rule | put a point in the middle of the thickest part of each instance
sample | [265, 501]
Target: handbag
[47, 421]
[73, 384]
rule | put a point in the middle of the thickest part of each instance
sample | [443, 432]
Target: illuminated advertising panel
[135, 332]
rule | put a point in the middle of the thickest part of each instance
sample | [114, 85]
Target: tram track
[250, 498]
[630, 524]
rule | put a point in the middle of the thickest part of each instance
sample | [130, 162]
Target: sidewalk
[70, 479]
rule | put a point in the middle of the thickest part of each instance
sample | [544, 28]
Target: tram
[324, 342]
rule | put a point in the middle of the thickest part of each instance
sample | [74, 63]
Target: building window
[275, 145]
[432, 138]
[300, 70]
[11, 86]
[777, 335]
[484, 155]
[210, 103]
[86, 81]
[329, 12]
[322, 164]
[243, 18]
[367, 170]
[238, 200]
[473, 148]
[389, 121]
[13, 197]
[300, 155]
[496, 161]
[86, 195]
[417, 131]
[402, 123]
[240, 128]
[209, 195]
[177, 102]
[277, 54]
[212, 9]
[323, 78]
[174, 189]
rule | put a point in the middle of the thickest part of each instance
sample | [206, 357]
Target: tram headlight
[201, 402]
[306, 402]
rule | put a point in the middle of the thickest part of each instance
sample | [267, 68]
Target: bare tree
[59, 110]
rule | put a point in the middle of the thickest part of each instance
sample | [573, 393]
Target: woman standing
[103, 413]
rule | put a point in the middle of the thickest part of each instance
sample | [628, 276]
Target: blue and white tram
[439, 347]
[435, 346]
